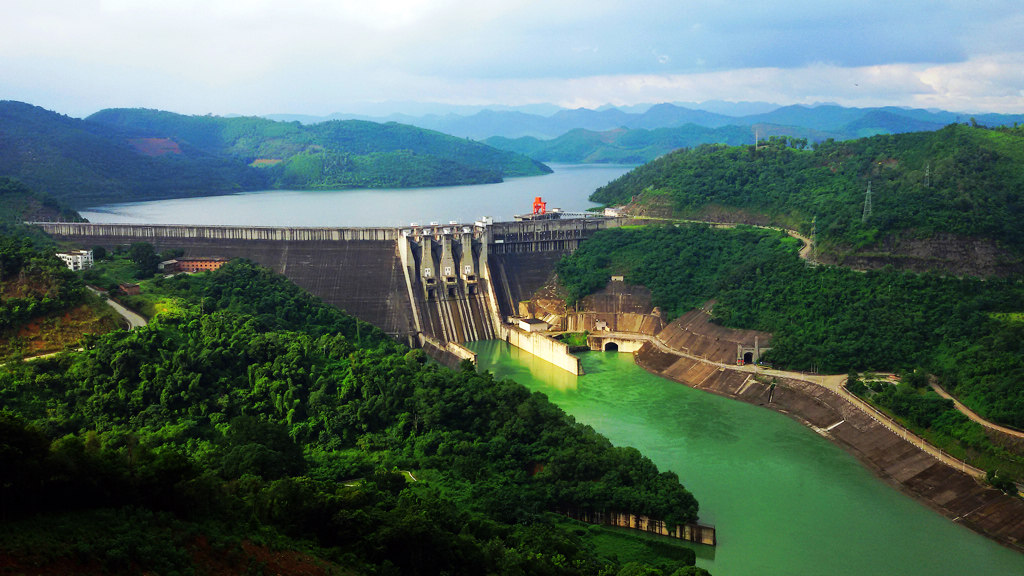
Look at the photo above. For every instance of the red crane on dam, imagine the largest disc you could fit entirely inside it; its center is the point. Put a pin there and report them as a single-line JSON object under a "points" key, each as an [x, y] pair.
{"points": [[540, 207]]}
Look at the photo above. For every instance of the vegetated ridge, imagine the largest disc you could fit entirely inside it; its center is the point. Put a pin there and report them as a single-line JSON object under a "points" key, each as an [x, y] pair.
{"points": [[332, 154], [249, 410], [949, 200], [19, 203], [135, 155]]}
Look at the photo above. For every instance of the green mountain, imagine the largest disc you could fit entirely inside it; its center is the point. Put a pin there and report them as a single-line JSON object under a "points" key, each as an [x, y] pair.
{"points": [[84, 163], [638, 145], [135, 155], [19, 203], [336, 154], [948, 200], [620, 146]]}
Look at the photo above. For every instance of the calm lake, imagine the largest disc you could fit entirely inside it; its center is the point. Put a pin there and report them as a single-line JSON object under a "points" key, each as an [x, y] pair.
{"points": [[785, 500], [567, 188]]}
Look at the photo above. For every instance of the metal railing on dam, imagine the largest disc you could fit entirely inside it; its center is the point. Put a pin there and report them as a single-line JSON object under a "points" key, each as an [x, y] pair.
{"points": [[503, 237], [206, 232]]}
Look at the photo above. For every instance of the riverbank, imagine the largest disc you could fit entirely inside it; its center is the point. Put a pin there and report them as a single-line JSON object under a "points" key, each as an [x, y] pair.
{"points": [[954, 493]]}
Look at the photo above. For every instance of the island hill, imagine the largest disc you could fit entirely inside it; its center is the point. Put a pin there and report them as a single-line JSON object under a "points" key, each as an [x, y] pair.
{"points": [[125, 155]]}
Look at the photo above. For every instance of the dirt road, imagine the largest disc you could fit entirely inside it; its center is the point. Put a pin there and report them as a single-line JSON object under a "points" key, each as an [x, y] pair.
{"points": [[974, 416]]}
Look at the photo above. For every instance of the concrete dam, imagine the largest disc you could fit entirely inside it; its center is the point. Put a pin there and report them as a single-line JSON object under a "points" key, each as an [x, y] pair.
{"points": [[433, 286]]}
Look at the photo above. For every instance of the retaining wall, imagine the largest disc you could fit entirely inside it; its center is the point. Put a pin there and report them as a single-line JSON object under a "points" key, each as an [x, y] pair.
{"points": [[543, 347], [697, 533]]}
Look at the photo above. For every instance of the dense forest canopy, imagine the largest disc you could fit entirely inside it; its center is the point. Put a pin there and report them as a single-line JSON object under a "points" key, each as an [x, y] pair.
{"points": [[19, 203], [831, 319], [254, 407], [84, 163], [134, 155], [961, 180]]}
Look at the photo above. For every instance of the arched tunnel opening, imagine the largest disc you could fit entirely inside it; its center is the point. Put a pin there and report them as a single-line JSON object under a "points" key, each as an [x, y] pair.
{"points": [[748, 357], [611, 347]]}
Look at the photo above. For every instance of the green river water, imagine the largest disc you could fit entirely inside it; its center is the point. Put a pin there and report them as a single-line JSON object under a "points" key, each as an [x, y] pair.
{"points": [[785, 500]]}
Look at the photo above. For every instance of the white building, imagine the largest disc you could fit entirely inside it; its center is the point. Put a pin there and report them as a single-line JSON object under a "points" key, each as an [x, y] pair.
{"points": [[77, 259]]}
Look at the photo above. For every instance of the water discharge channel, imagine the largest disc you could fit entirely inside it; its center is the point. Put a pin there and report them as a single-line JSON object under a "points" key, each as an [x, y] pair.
{"points": [[784, 499]]}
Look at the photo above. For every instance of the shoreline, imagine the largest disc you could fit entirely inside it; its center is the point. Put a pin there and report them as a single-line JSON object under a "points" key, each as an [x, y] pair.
{"points": [[952, 492]]}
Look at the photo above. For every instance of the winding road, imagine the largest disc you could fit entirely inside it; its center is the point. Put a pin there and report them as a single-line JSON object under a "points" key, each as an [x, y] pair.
{"points": [[134, 320], [973, 415]]}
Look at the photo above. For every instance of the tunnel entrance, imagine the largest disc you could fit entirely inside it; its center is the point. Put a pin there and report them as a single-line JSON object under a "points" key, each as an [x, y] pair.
{"points": [[748, 357], [611, 347]]}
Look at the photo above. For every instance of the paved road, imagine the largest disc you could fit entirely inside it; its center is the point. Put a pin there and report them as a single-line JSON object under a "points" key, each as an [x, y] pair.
{"points": [[805, 251], [134, 320], [974, 416]]}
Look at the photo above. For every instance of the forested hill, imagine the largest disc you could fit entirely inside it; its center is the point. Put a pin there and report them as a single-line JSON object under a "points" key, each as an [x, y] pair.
{"points": [[19, 203], [932, 193], [331, 154], [84, 163], [134, 155], [249, 410], [622, 145]]}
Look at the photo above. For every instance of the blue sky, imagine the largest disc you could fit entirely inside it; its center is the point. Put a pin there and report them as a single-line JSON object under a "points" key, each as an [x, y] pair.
{"points": [[323, 56]]}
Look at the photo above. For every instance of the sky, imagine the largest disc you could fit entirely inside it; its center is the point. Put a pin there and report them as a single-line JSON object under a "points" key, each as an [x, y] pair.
{"points": [[319, 57]]}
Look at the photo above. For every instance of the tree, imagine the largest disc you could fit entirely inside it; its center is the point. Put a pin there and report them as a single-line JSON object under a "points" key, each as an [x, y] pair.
{"points": [[144, 258]]}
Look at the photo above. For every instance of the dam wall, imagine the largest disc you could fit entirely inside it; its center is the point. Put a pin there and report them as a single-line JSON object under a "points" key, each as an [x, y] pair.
{"points": [[355, 269]]}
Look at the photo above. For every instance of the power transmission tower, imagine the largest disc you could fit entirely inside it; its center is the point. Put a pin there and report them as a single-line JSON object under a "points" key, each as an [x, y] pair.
{"points": [[928, 175], [867, 204]]}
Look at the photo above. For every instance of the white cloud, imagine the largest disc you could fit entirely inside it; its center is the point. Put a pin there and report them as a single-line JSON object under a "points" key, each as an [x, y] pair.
{"points": [[314, 56]]}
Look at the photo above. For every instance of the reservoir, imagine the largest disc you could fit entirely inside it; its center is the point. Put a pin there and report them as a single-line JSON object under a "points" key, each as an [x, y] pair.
{"points": [[567, 188], [784, 499]]}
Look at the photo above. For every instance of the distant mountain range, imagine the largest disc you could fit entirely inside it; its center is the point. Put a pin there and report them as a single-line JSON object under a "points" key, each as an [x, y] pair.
{"points": [[610, 134], [132, 155], [827, 118]]}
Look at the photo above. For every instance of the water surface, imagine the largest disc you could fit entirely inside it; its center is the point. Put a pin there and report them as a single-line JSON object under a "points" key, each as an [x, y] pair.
{"points": [[567, 188], [784, 500]]}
